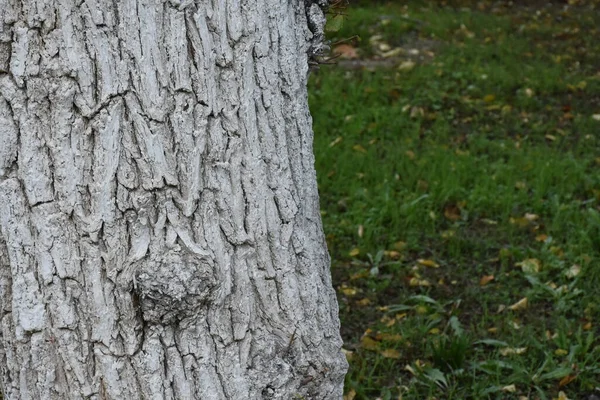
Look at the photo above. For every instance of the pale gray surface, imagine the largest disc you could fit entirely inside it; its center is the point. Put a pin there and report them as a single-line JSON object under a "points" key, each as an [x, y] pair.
{"points": [[160, 235]]}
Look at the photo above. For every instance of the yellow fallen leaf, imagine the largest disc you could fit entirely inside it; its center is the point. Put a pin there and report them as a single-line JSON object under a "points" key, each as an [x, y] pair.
{"points": [[542, 237], [391, 353], [348, 291], [488, 98], [394, 255], [354, 252], [359, 148], [561, 396], [530, 265], [587, 326], [561, 352], [508, 351], [363, 302], [434, 331], [485, 280], [369, 343], [389, 337], [418, 282], [509, 389], [428, 263], [519, 305], [350, 395]]}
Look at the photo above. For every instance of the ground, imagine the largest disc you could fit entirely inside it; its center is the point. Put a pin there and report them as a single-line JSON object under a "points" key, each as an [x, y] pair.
{"points": [[458, 150]]}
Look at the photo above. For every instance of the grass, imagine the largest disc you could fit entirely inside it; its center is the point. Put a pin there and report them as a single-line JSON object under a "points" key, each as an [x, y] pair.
{"points": [[454, 188]]}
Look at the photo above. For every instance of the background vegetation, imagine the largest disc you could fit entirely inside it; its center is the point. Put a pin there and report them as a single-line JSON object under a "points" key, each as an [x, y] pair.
{"points": [[458, 148]]}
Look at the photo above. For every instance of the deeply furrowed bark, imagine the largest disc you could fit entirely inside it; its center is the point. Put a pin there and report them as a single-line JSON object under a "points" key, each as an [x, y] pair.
{"points": [[160, 235]]}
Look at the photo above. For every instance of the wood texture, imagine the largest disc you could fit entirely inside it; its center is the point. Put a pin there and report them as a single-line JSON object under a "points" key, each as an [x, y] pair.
{"points": [[160, 235]]}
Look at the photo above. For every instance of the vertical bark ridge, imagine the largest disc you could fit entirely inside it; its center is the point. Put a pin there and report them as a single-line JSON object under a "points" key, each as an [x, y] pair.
{"points": [[160, 234]]}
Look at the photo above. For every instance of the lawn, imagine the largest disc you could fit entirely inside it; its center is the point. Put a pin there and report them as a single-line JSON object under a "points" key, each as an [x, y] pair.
{"points": [[458, 153]]}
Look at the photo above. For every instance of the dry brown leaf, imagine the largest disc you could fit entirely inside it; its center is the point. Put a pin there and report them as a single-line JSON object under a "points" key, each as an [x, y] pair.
{"points": [[566, 380], [345, 51], [485, 280], [452, 212]]}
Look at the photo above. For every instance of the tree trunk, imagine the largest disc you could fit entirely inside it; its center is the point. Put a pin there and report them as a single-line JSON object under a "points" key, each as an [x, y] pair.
{"points": [[160, 235]]}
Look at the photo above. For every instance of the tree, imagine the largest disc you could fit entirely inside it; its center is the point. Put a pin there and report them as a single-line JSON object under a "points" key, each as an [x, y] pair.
{"points": [[160, 235]]}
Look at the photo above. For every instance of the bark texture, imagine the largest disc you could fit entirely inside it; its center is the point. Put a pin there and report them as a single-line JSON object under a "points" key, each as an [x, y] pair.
{"points": [[160, 235]]}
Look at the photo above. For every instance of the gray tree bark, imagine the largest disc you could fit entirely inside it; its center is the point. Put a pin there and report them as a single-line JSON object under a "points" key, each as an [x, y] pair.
{"points": [[160, 235]]}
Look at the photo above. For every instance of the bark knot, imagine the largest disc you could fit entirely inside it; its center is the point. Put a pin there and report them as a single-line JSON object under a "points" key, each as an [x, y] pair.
{"points": [[173, 286]]}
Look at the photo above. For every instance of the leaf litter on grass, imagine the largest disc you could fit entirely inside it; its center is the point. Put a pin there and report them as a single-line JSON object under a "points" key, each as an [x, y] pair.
{"points": [[501, 117]]}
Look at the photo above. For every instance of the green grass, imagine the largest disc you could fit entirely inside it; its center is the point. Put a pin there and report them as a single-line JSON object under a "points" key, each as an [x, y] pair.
{"points": [[481, 157]]}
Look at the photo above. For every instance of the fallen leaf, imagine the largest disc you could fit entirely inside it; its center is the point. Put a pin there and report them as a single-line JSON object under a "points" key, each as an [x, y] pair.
{"points": [[419, 282], [587, 326], [336, 141], [530, 265], [566, 380], [350, 395], [369, 343], [358, 147], [509, 389], [488, 98], [394, 255], [561, 352], [348, 291], [354, 252], [345, 51], [391, 353], [406, 65], [573, 271], [596, 117], [508, 351], [389, 337], [529, 92], [561, 396], [361, 231], [519, 305], [363, 302], [428, 263], [452, 212], [542, 237], [485, 280]]}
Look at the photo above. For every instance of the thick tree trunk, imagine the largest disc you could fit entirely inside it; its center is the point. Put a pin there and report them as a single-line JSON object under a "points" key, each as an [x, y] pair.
{"points": [[160, 235]]}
